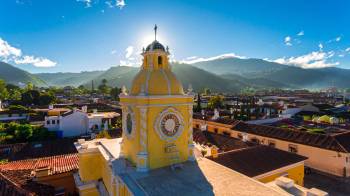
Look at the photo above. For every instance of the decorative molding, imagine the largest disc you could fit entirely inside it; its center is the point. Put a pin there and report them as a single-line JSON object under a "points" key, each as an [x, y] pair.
{"points": [[157, 124], [190, 126], [142, 157], [126, 111], [155, 96], [143, 128]]}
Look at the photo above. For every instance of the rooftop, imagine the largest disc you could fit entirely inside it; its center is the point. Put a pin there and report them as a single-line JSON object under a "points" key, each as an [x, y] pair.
{"points": [[337, 142], [250, 162], [223, 142], [19, 182], [55, 164], [203, 177], [20, 151]]}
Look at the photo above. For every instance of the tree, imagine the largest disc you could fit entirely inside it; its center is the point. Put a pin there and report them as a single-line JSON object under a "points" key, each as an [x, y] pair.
{"points": [[31, 97], [3, 91], [29, 86], [207, 91], [46, 99], [216, 102], [104, 88], [115, 93], [199, 106]]}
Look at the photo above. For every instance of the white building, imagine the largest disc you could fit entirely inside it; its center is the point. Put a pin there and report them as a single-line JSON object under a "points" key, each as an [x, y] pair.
{"points": [[79, 122]]}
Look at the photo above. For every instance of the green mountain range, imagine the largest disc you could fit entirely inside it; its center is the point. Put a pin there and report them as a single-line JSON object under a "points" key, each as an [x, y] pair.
{"points": [[18, 76], [220, 75], [261, 72]]}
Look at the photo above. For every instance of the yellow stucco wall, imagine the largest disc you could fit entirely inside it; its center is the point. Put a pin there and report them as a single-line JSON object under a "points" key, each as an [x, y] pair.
{"points": [[89, 192], [156, 146], [93, 166], [296, 173], [89, 166]]}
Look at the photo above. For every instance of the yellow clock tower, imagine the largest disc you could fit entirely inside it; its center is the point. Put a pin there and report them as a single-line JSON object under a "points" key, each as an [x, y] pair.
{"points": [[157, 114]]}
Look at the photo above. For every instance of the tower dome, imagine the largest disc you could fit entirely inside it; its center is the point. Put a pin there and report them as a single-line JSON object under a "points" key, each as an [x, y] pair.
{"points": [[155, 76], [155, 45]]}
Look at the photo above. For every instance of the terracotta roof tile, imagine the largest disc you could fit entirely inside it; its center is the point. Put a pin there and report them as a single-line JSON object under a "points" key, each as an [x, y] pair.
{"points": [[57, 164], [257, 160], [19, 182], [338, 142]]}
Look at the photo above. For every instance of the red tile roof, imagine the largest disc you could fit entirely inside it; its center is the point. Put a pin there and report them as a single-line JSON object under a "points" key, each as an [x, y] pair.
{"points": [[223, 142], [57, 164], [19, 182], [338, 142], [257, 160]]}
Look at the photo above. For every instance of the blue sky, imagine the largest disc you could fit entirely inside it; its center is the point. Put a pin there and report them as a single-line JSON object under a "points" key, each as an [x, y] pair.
{"points": [[78, 35]]}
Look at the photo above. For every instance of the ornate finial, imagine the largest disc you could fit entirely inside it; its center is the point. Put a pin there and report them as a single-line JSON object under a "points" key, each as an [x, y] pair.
{"points": [[167, 49], [124, 91], [190, 90], [143, 50], [155, 32]]}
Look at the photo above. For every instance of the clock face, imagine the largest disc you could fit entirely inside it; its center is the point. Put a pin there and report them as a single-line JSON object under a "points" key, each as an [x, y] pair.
{"points": [[129, 123], [170, 124]]}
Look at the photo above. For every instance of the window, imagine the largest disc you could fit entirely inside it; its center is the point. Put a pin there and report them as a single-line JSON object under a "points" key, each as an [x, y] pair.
{"points": [[216, 130], [53, 122], [58, 121], [293, 148], [255, 140], [226, 133], [271, 144], [160, 60], [48, 122], [197, 126]]}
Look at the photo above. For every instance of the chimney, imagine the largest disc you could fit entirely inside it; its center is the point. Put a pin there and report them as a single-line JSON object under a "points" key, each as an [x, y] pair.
{"points": [[84, 109], [214, 152], [284, 182]]}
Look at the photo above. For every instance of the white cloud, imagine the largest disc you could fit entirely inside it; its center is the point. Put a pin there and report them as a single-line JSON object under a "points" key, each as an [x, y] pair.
{"points": [[120, 3], [7, 51], [116, 3], [320, 45], [194, 59], [10, 53], [301, 33], [317, 59], [129, 51], [132, 57], [36, 61], [287, 41], [86, 2], [114, 52], [110, 3], [347, 50], [337, 39]]}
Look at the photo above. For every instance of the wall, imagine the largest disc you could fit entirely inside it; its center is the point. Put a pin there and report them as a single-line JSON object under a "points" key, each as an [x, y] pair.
{"points": [[87, 166], [154, 144], [65, 180], [74, 124], [296, 173]]}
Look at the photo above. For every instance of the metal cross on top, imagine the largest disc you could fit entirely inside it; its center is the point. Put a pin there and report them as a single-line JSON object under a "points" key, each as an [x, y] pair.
{"points": [[155, 32]]}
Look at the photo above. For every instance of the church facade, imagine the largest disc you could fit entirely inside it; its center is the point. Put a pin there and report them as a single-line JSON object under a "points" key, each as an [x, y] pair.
{"points": [[157, 114]]}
